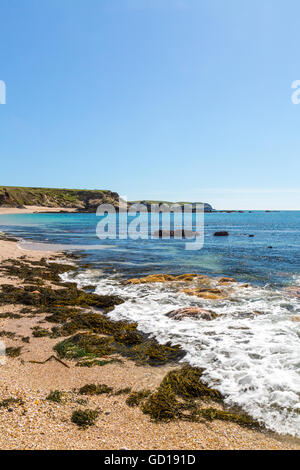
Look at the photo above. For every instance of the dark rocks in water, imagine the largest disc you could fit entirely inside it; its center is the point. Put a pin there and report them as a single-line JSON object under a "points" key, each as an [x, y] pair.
{"points": [[251, 236], [175, 233], [221, 234], [270, 247], [191, 312]]}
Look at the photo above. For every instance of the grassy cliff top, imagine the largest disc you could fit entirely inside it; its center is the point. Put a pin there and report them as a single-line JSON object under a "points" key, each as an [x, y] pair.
{"points": [[14, 196]]}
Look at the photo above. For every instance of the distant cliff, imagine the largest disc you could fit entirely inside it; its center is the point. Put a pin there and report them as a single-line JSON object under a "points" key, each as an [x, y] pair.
{"points": [[148, 203], [82, 200]]}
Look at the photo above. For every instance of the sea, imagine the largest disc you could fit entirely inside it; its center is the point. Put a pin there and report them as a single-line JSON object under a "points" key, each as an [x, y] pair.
{"points": [[251, 351]]}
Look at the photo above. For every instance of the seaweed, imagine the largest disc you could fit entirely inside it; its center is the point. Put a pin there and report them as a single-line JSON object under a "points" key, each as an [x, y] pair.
{"points": [[12, 316], [7, 402], [84, 418], [13, 352], [176, 398], [84, 345], [97, 362], [162, 405], [40, 332], [8, 334], [135, 398], [186, 382], [151, 352], [55, 396], [45, 298], [34, 271], [242, 419], [95, 389]]}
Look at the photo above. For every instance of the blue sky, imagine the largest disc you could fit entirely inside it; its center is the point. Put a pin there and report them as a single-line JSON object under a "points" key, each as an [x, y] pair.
{"points": [[154, 99]]}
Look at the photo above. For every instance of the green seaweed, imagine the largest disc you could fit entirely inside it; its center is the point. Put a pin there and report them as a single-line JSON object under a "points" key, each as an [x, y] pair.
{"points": [[95, 389], [186, 382], [242, 419], [97, 362], [162, 405], [151, 352], [84, 418], [84, 345], [13, 352], [40, 332], [55, 396], [8, 402], [135, 398]]}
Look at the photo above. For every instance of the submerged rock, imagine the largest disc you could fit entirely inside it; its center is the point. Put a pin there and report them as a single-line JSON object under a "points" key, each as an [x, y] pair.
{"points": [[184, 312]]}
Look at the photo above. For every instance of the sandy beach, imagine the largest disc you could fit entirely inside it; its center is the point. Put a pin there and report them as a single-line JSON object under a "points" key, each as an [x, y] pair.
{"points": [[37, 423], [33, 210]]}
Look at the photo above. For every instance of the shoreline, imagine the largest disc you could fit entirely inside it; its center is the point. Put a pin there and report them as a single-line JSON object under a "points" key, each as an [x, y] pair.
{"points": [[35, 210], [40, 421]]}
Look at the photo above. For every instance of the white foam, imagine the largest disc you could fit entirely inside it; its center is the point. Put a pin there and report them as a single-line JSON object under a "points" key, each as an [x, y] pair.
{"points": [[253, 359]]}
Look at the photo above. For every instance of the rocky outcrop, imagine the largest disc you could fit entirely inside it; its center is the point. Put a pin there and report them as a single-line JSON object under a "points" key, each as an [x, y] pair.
{"points": [[192, 312]]}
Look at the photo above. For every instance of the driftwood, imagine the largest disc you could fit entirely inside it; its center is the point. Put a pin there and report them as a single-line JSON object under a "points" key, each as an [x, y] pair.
{"points": [[49, 359]]}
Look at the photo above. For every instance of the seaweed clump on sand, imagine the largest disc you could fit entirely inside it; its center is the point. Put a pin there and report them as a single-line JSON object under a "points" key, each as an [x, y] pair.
{"points": [[84, 418], [88, 345], [48, 300], [97, 323], [55, 395], [13, 352], [8, 402], [35, 271], [135, 398], [84, 345], [151, 352], [180, 395], [39, 332], [242, 419], [95, 389], [186, 383]]}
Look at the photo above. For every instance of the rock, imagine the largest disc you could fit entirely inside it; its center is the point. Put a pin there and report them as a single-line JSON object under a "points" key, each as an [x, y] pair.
{"points": [[192, 312], [221, 234], [251, 236], [175, 233], [224, 280], [167, 278], [296, 318], [209, 294]]}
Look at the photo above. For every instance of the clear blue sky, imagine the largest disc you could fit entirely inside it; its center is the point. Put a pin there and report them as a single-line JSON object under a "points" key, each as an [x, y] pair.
{"points": [[154, 99]]}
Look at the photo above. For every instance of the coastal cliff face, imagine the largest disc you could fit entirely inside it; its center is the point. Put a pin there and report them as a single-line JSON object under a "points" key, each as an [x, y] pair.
{"points": [[83, 200]]}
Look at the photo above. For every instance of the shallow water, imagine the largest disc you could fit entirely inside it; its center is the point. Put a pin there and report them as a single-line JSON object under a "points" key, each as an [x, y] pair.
{"points": [[252, 358]]}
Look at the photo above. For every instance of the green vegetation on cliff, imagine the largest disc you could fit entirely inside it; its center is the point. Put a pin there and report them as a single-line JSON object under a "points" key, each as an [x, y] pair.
{"points": [[13, 196]]}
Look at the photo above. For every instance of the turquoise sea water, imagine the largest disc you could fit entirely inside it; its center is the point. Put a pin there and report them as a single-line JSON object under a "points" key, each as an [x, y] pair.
{"points": [[251, 352], [247, 259]]}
